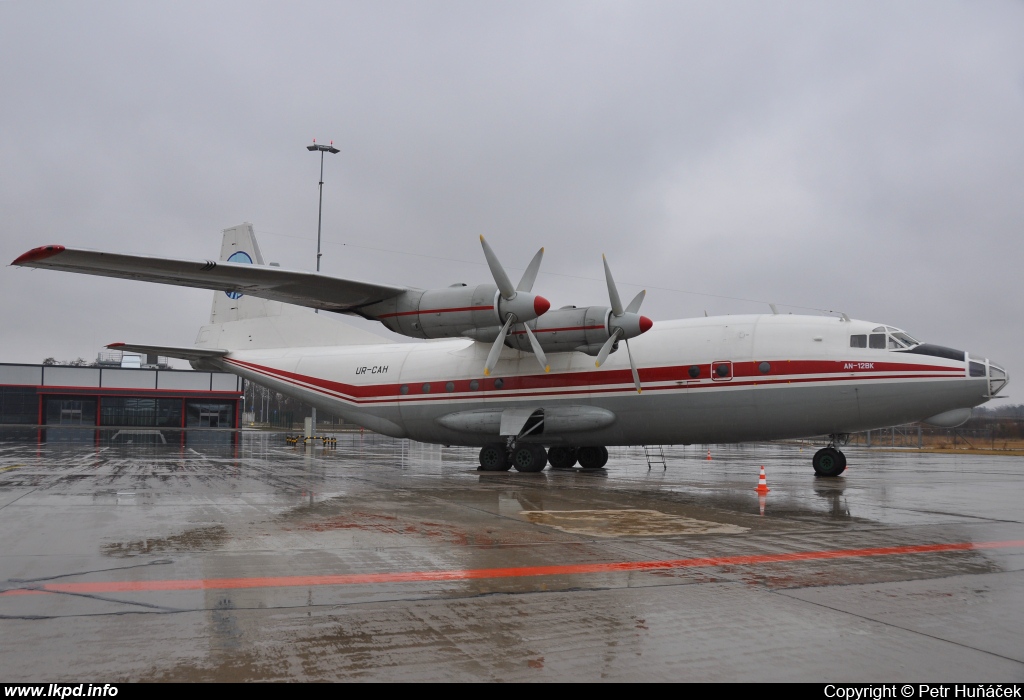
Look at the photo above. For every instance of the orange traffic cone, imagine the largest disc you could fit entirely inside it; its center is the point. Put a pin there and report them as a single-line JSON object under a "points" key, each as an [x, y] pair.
{"points": [[709, 454], [762, 483]]}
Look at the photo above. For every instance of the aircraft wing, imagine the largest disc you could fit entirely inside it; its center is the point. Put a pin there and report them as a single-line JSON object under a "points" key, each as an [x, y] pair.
{"points": [[312, 289], [189, 353]]}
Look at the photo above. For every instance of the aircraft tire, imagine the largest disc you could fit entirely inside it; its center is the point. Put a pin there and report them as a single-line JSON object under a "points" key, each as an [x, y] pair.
{"points": [[562, 457], [529, 458], [593, 457], [828, 462], [494, 458]]}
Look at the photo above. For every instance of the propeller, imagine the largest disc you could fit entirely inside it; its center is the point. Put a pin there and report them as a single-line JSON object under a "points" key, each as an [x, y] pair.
{"points": [[492, 356], [515, 304], [537, 350], [624, 323]]}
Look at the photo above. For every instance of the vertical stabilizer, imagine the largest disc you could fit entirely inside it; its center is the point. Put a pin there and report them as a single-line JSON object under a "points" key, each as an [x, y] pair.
{"points": [[240, 246], [240, 321]]}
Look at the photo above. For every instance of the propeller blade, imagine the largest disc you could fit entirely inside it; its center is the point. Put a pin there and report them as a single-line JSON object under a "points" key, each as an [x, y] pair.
{"points": [[634, 306], [632, 366], [492, 356], [498, 272], [613, 293], [537, 350], [607, 347], [530, 276]]}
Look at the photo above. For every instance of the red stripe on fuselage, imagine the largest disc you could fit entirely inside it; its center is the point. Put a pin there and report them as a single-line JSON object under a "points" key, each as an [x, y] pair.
{"points": [[594, 382]]}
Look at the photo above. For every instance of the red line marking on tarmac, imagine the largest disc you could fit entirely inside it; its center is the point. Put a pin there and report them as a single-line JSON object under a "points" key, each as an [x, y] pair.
{"points": [[512, 572]]}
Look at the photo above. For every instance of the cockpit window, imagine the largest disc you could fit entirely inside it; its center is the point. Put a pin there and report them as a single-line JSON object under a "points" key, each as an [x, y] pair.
{"points": [[877, 341], [859, 341], [905, 339], [895, 344]]}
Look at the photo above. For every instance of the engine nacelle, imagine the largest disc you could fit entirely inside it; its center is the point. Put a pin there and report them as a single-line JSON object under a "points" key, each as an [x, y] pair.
{"points": [[574, 329], [457, 311], [569, 329]]}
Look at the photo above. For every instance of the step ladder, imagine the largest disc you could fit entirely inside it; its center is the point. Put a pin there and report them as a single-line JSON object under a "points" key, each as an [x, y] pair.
{"points": [[655, 455]]}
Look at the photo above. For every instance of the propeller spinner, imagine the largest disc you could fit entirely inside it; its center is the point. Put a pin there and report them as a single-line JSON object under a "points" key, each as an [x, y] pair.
{"points": [[623, 323]]}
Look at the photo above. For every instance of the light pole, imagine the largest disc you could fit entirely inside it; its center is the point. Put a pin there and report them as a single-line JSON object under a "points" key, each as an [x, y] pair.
{"points": [[319, 217], [320, 210]]}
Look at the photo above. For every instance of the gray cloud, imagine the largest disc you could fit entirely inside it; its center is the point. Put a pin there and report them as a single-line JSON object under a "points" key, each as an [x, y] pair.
{"points": [[863, 157]]}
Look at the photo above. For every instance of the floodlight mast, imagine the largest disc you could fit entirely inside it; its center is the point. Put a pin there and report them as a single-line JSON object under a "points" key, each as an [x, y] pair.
{"points": [[319, 219], [320, 210]]}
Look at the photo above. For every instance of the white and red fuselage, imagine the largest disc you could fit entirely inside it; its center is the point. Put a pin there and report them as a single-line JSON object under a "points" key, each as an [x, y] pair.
{"points": [[706, 380]]}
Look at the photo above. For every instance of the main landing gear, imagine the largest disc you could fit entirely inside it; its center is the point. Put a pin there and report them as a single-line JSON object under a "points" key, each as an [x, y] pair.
{"points": [[527, 457], [829, 461]]}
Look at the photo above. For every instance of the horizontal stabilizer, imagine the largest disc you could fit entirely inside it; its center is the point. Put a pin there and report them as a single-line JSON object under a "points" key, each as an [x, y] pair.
{"points": [[190, 353], [311, 289]]}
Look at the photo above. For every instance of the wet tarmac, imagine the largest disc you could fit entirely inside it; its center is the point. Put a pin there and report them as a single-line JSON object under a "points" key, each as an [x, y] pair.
{"points": [[209, 558]]}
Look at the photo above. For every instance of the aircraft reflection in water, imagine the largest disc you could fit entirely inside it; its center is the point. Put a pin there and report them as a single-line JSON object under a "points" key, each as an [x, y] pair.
{"points": [[532, 385]]}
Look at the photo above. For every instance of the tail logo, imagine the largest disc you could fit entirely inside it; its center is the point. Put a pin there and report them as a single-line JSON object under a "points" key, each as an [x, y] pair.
{"points": [[238, 257]]}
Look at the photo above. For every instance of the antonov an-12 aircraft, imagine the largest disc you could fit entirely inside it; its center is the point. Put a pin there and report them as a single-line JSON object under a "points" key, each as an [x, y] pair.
{"points": [[530, 385]]}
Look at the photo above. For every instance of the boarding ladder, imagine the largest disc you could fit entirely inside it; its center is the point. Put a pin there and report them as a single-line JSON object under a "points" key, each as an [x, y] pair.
{"points": [[655, 454]]}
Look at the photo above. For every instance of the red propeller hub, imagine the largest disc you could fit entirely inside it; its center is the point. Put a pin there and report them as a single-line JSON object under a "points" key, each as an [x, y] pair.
{"points": [[540, 305], [645, 324]]}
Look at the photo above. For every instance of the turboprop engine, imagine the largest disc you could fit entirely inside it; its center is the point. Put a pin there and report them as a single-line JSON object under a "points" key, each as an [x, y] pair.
{"points": [[483, 312], [594, 330]]}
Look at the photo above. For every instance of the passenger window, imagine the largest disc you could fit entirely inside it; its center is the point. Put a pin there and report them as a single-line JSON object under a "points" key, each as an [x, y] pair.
{"points": [[878, 341], [858, 341]]}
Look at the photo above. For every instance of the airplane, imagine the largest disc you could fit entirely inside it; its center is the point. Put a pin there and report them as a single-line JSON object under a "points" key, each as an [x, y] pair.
{"points": [[498, 369]]}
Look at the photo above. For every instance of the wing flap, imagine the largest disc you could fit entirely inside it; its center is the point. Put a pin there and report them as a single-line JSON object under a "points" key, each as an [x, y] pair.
{"points": [[312, 289]]}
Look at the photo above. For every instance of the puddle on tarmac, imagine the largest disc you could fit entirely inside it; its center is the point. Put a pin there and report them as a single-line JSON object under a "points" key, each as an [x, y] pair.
{"points": [[196, 540], [626, 523]]}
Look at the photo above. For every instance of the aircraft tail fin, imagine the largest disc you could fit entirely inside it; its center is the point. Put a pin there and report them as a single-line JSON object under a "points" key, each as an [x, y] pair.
{"points": [[241, 321], [239, 246]]}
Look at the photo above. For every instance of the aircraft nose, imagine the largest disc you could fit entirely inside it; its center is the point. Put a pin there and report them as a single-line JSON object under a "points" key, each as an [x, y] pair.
{"points": [[997, 378]]}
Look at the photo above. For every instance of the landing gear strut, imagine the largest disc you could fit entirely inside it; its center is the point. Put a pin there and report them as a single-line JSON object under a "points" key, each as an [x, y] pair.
{"points": [[829, 461]]}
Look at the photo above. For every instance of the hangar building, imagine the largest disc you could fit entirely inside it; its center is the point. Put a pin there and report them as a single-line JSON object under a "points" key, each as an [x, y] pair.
{"points": [[118, 397]]}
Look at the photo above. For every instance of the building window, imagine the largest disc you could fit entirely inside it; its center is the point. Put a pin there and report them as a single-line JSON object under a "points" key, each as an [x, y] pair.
{"points": [[70, 411], [209, 415], [143, 412], [18, 405]]}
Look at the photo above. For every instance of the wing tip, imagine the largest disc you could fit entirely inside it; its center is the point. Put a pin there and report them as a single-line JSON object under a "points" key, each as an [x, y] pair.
{"points": [[39, 253], [111, 346]]}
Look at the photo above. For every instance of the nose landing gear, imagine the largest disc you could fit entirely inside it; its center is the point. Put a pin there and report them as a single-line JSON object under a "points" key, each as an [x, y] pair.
{"points": [[829, 461]]}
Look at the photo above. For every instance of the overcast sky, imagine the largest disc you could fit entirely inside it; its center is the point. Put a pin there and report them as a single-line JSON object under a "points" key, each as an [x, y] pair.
{"points": [[865, 157]]}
